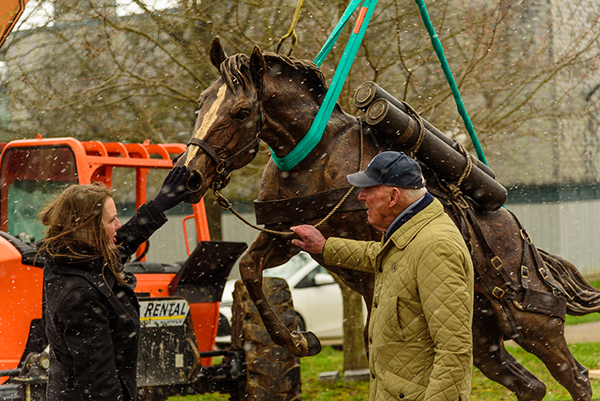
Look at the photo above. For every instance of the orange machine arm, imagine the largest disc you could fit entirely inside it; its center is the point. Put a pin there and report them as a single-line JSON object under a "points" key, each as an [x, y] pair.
{"points": [[10, 12]]}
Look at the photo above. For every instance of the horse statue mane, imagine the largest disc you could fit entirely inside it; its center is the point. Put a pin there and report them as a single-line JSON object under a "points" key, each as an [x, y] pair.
{"points": [[235, 71]]}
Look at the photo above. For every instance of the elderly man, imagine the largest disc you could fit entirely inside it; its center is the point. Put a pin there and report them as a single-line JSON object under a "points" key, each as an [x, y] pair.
{"points": [[420, 340]]}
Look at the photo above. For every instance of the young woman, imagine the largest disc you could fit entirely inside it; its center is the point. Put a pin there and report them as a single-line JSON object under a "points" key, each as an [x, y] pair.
{"points": [[91, 311]]}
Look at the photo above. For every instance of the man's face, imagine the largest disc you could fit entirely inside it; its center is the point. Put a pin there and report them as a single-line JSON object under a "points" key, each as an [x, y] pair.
{"points": [[377, 199]]}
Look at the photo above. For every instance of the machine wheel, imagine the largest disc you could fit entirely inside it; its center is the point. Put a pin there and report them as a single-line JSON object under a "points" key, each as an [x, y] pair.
{"points": [[273, 373], [151, 394]]}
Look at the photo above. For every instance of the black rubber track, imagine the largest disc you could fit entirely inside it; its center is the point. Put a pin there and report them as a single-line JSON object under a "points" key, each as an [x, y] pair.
{"points": [[273, 373]]}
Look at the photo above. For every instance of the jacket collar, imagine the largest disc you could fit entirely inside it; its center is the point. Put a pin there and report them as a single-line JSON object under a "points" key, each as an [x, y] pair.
{"points": [[409, 229], [89, 265], [408, 214]]}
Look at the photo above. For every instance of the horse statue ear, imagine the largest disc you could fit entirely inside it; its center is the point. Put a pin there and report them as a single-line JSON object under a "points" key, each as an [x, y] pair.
{"points": [[217, 54], [257, 64]]}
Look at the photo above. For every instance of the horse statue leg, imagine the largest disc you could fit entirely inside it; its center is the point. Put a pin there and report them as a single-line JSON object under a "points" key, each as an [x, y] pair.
{"points": [[492, 359], [544, 337], [265, 252], [533, 320]]}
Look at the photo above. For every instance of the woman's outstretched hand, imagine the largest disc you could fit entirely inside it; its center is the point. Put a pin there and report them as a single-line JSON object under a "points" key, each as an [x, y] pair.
{"points": [[173, 190]]}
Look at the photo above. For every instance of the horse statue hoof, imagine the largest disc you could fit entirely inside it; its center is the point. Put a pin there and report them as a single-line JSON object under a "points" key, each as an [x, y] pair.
{"points": [[314, 345], [306, 343]]}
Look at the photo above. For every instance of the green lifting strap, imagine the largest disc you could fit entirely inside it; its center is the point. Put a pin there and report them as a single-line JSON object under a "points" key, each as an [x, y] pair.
{"points": [[314, 135], [437, 46]]}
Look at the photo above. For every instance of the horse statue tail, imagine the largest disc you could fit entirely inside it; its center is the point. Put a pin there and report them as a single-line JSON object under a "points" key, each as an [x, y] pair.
{"points": [[582, 298]]}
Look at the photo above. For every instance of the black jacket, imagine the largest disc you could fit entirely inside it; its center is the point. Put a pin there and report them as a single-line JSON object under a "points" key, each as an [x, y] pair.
{"points": [[92, 320]]}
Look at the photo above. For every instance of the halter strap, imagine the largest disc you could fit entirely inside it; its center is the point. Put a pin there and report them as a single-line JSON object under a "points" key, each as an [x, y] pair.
{"points": [[223, 164], [202, 144]]}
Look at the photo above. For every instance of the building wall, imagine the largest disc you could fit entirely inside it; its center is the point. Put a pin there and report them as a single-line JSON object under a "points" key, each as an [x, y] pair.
{"points": [[167, 244], [233, 229], [566, 229], [563, 220]]}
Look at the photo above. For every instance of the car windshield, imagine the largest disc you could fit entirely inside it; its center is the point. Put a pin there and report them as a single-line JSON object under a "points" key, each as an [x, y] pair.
{"points": [[286, 270]]}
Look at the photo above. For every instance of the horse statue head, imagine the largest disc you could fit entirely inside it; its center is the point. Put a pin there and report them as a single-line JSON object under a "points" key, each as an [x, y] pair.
{"points": [[253, 98]]}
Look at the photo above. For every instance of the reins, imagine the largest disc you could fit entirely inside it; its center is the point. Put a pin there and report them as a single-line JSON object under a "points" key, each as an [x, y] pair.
{"points": [[226, 205]]}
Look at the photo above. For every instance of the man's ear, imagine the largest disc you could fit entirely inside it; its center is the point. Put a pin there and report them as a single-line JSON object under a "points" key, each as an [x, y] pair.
{"points": [[395, 196]]}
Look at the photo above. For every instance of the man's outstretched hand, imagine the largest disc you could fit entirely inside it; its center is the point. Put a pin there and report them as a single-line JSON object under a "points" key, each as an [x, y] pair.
{"points": [[311, 240]]}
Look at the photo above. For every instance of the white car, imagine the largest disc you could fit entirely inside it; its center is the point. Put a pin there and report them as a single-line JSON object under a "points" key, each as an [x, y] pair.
{"points": [[317, 299]]}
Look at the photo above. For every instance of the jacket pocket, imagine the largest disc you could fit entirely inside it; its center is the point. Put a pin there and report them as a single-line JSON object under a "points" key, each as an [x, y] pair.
{"points": [[385, 322], [411, 319], [398, 388]]}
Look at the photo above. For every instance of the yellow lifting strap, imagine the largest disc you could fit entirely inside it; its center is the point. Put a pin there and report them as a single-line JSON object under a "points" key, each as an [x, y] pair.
{"points": [[292, 31]]}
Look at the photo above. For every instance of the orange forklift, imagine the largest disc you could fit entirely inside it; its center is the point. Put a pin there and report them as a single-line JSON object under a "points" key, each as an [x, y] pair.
{"points": [[179, 300]]}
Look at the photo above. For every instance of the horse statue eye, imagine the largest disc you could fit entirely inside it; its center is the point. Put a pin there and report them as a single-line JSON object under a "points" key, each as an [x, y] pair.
{"points": [[242, 114]]}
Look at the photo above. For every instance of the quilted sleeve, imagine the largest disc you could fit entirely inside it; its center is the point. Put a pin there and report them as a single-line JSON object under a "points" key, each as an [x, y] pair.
{"points": [[351, 254], [139, 228], [446, 288]]}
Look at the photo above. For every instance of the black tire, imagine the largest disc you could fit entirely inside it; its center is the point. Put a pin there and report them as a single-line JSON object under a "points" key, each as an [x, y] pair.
{"points": [[273, 373], [151, 394]]}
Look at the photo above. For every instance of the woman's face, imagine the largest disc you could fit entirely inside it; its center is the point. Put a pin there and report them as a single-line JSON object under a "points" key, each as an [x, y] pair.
{"points": [[110, 220]]}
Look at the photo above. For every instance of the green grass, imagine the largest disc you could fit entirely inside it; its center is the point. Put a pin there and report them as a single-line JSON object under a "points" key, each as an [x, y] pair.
{"points": [[587, 354], [329, 360], [483, 389]]}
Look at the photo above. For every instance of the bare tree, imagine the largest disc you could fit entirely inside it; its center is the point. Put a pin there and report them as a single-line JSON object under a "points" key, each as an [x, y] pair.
{"points": [[529, 87]]}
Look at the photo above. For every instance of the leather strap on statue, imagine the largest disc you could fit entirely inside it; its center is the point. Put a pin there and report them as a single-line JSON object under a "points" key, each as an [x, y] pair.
{"points": [[504, 290], [582, 298], [510, 287], [223, 165], [551, 303], [538, 262], [305, 208]]}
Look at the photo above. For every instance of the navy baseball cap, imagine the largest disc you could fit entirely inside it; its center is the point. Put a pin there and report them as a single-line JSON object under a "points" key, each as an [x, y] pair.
{"points": [[394, 169]]}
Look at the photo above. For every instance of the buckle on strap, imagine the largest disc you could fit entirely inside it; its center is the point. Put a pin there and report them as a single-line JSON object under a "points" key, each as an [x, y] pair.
{"points": [[498, 292], [496, 262], [544, 273], [524, 271]]}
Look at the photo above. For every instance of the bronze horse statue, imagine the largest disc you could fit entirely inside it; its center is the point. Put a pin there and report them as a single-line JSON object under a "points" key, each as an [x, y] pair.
{"points": [[519, 292]]}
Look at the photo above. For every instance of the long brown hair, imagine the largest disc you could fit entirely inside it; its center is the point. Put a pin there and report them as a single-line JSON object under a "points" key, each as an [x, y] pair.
{"points": [[74, 219]]}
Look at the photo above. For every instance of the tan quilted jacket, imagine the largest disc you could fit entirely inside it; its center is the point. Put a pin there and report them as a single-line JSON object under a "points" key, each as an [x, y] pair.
{"points": [[420, 340]]}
